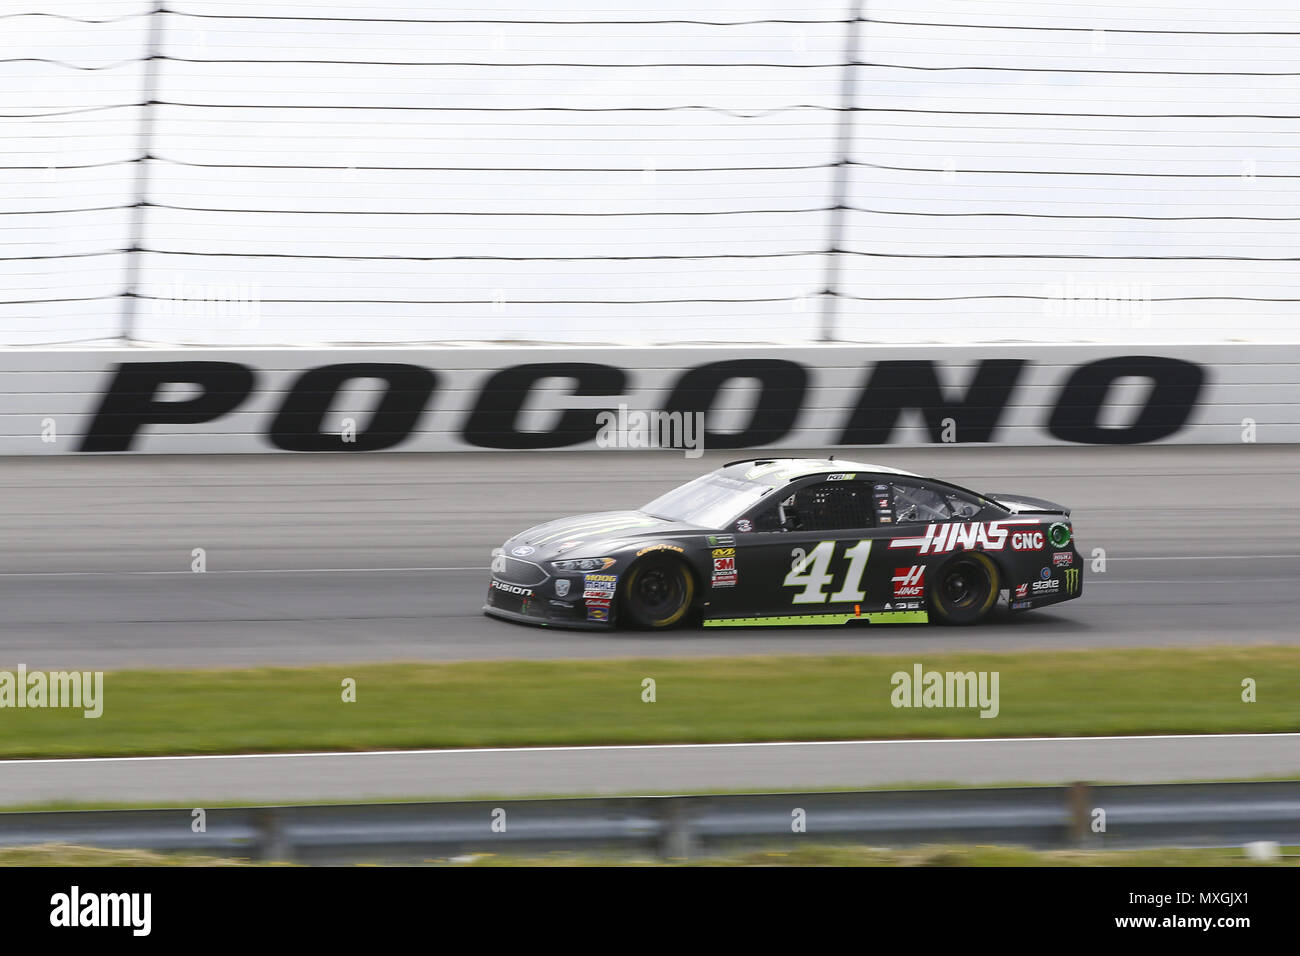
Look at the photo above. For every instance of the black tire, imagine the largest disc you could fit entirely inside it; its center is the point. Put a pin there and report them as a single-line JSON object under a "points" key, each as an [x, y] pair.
{"points": [[656, 593], [964, 588]]}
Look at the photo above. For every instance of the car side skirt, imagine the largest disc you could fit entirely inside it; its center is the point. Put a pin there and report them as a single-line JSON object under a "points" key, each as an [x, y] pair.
{"points": [[797, 620]]}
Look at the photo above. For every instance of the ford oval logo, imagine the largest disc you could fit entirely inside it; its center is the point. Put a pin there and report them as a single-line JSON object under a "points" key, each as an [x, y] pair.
{"points": [[522, 550]]}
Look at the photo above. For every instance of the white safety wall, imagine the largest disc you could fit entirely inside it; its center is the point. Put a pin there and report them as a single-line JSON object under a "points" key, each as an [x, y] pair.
{"points": [[236, 400]]}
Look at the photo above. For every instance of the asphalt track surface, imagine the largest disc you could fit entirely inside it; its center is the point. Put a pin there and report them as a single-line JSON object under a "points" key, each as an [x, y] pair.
{"points": [[346, 558], [549, 771]]}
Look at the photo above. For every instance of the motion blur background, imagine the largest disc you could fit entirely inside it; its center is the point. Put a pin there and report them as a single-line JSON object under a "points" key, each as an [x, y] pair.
{"points": [[1103, 193], [240, 173]]}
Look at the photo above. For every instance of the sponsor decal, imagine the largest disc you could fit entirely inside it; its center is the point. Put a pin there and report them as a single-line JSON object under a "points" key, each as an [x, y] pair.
{"points": [[744, 524], [909, 582], [1045, 573], [987, 535], [599, 585], [1021, 605], [561, 587], [1062, 559], [885, 519], [598, 594], [523, 551], [721, 539], [1022, 590], [1059, 534], [512, 588], [841, 477], [1027, 541], [724, 568], [660, 547], [1072, 581], [139, 397], [1047, 587]]}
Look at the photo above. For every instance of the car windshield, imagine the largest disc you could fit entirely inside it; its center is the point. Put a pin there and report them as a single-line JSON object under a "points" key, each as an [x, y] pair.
{"points": [[711, 501]]}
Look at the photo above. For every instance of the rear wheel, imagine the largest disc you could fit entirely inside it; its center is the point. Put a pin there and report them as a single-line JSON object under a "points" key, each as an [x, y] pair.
{"points": [[656, 593], [964, 589]]}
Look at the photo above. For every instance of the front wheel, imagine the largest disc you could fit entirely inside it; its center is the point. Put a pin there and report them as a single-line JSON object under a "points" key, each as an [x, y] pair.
{"points": [[657, 593], [964, 589]]}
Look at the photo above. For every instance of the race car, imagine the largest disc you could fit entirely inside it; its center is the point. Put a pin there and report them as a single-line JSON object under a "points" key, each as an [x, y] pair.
{"points": [[791, 541]]}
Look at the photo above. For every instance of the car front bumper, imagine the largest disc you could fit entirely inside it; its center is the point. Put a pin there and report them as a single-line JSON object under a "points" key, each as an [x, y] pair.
{"points": [[535, 602]]}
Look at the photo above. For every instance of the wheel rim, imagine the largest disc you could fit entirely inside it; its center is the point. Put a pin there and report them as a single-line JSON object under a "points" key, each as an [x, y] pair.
{"points": [[658, 591], [964, 584]]}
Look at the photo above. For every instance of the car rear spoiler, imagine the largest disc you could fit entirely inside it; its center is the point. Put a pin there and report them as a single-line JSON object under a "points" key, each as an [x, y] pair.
{"points": [[1024, 504]]}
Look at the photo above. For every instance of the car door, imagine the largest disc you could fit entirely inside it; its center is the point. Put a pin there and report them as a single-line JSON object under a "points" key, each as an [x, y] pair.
{"points": [[815, 550]]}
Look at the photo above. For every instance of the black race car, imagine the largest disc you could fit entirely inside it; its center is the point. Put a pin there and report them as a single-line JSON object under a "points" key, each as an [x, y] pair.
{"points": [[788, 541]]}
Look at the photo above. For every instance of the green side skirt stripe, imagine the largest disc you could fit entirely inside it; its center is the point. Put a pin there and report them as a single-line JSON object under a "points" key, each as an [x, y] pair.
{"points": [[790, 620]]}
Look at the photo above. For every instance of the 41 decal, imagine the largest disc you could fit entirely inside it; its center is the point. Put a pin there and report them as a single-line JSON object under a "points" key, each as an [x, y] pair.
{"points": [[811, 573]]}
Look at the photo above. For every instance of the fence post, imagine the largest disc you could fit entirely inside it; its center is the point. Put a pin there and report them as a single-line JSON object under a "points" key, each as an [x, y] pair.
{"points": [[843, 164], [152, 57]]}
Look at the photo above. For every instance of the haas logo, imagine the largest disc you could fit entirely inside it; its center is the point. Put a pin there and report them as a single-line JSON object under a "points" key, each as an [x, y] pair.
{"points": [[909, 582], [991, 536]]}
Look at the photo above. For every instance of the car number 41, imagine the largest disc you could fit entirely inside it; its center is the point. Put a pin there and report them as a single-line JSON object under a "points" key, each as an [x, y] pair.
{"points": [[811, 572]]}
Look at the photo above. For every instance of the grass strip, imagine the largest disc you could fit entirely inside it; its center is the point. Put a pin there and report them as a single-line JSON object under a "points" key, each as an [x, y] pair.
{"points": [[814, 855], [575, 702]]}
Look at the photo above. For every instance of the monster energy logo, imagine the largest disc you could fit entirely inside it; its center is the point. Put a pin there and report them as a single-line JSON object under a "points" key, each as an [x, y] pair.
{"points": [[1072, 581]]}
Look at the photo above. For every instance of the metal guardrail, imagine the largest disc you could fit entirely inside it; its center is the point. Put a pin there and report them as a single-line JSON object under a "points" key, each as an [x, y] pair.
{"points": [[1225, 814]]}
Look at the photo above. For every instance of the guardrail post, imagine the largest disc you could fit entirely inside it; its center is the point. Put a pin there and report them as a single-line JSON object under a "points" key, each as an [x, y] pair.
{"points": [[275, 843], [677, 840], [1078, 800]]}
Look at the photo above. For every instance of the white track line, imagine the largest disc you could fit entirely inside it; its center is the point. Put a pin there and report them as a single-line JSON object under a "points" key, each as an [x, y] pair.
{"points": [[634, 747]]}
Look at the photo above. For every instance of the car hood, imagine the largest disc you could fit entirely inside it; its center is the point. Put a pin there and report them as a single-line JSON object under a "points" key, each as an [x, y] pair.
{"points": [[584, 535]]}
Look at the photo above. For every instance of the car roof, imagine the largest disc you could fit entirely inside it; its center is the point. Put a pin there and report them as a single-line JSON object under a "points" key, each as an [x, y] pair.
{"points": [[772, 470]]}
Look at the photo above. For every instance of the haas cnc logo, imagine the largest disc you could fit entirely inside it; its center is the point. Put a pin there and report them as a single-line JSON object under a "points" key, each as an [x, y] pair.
{"points": [[988, 535], [909, 582]]}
